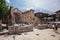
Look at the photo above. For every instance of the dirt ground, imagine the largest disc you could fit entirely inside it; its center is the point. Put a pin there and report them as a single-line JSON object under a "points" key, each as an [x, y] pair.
{"points": [[46, 34]]}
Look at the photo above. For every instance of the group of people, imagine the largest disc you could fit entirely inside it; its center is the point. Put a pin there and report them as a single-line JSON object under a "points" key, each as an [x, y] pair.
{"points": [[54, 26]]}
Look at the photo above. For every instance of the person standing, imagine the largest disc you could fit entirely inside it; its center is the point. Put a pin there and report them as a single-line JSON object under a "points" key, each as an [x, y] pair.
{"points": [[54, 27]]}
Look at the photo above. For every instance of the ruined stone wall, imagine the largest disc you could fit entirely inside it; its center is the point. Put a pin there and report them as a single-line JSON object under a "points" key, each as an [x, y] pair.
{"points": [[28, 17], [17, 17], [17, 14], [11, 16], [38, 21]]}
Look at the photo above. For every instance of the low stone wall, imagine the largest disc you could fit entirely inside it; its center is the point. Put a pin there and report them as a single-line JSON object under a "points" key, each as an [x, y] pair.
{"points": [[43, 26], [2, 26], [19, 29]]}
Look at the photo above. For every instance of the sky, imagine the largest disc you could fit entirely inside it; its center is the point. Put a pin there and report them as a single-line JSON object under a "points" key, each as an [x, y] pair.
{"points": [[38, 5]]}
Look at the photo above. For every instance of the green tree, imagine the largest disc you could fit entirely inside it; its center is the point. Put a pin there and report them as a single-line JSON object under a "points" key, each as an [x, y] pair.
{"points": [[3, 10]]}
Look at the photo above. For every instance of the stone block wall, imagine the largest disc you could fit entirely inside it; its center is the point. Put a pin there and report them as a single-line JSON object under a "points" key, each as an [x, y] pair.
{"points": [[19, 29]]}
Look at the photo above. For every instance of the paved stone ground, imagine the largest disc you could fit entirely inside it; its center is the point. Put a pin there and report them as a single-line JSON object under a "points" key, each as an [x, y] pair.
{"points": [[46, 34]]}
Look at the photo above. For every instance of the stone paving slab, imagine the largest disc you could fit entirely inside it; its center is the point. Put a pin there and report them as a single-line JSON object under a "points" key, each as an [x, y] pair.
{"points": [[45, 34]]}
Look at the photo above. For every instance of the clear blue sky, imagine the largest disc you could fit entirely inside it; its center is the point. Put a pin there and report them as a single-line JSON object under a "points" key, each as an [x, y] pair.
{"points": [[38, 5]]}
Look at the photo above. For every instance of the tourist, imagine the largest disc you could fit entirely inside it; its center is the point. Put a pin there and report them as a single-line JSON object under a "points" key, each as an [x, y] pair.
{"points": [[54, 28]]}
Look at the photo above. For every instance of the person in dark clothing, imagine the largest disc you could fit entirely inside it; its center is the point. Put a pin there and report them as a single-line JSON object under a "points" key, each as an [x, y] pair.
{"points": [[55, 28]]}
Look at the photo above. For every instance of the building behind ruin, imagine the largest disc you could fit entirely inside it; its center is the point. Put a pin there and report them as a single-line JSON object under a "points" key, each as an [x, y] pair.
{"points": [[55, 16], [42, 17]]}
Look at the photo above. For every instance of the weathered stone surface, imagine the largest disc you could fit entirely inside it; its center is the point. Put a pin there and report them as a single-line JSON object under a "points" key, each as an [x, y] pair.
{"points": [[42, 26], [27, 17], [19, 29]]}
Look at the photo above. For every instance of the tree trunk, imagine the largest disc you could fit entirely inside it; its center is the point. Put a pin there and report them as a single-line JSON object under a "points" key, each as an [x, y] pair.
{"points": [[0, 21], [0, 24]]}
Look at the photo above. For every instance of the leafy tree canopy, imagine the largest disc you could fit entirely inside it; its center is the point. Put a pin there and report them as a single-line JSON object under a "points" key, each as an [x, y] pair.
{"points": [[3, 9]]}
